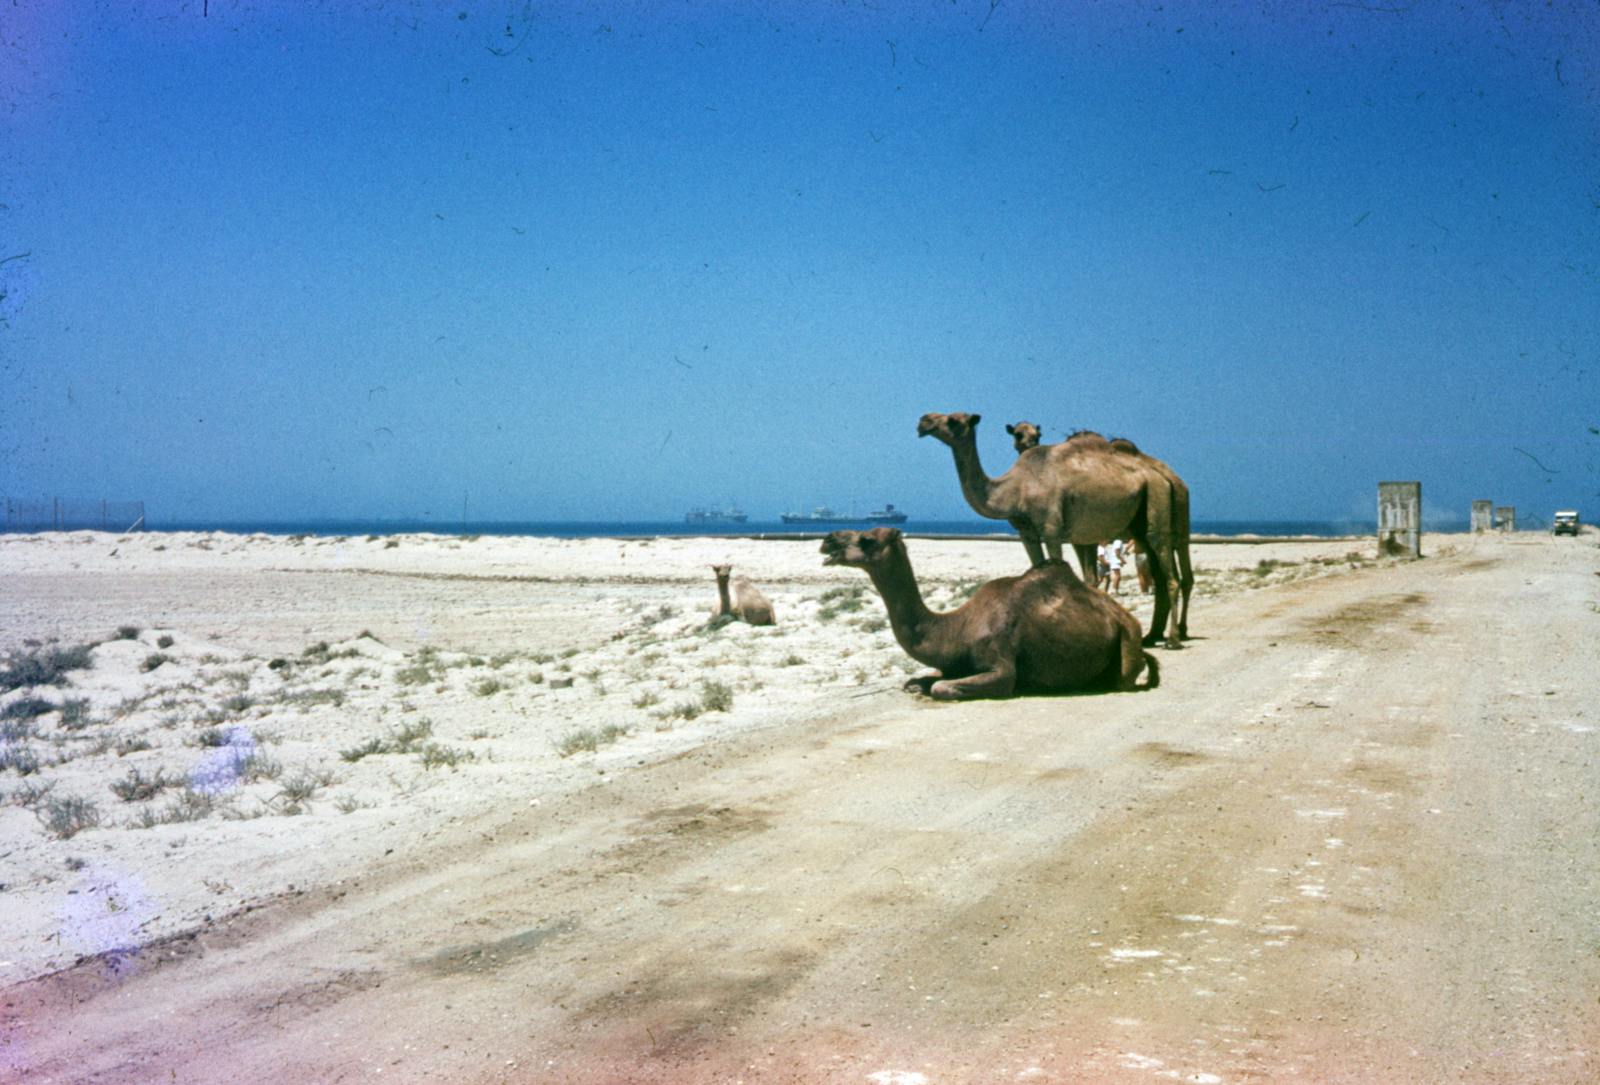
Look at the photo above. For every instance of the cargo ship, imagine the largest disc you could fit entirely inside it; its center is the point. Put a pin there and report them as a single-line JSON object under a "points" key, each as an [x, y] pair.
{"points": [[730, 515], [822, 514]]}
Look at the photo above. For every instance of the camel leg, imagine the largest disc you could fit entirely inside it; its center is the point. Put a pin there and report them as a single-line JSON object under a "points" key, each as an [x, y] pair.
{"points": [[1185, 586], [921, 683], [1035, 551], [1053, 548], [1001, 681], [1166, 580], [1087, 561]]}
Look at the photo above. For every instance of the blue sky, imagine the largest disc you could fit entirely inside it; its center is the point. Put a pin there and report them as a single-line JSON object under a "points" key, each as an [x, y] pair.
{"points": [[266, 259]]}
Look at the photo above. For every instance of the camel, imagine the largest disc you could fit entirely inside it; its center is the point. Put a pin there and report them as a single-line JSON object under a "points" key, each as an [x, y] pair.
{"points": [[1043, 631], [1082, 491], [1024, 435], [747, 605]]}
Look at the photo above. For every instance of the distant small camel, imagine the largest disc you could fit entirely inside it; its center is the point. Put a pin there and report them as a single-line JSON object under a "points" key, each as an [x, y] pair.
{"points": [[1043, 631], [747, 605]]}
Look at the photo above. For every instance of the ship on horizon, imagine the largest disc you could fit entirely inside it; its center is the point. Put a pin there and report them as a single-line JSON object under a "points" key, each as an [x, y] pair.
{"points": [[822, 514], [730, 515]]}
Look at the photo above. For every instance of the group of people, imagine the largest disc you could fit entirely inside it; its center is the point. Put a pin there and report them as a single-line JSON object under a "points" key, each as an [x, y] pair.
{"points": [[1110, 559]]}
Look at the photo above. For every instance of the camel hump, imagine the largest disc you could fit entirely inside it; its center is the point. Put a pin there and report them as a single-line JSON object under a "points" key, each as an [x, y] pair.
{"points": [[1122, 444]]}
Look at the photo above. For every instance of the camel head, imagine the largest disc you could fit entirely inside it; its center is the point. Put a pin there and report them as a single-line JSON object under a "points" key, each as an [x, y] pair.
{"points": [[860, 549], [1024, 435], [721, 571], [952, 429]]}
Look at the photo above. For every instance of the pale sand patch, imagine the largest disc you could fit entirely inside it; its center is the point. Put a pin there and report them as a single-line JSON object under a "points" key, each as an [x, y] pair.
{"points": [[271, 746]]}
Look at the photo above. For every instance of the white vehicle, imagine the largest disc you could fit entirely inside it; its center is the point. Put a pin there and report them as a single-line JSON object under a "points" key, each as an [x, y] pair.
{"points": [[1565, 522]]}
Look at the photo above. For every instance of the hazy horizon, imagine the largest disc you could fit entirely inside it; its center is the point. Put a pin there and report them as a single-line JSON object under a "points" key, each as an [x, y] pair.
{"points": [[264, 260]]}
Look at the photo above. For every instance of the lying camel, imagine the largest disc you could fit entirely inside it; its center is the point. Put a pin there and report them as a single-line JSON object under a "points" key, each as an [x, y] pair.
{"points": [[1043, 631], [1081, 491], [1025, 435], [747, 605]]}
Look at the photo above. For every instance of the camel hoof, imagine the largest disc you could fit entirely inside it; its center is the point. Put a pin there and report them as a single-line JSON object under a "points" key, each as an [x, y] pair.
{"points": [[919, 685], [944, 691], [1173, 644], [1150, 640]]}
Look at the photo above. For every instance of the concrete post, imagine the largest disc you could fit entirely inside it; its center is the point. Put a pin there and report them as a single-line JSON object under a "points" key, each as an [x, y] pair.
{"points": [[1400, 519], [1482, 517], [1506, 517]]}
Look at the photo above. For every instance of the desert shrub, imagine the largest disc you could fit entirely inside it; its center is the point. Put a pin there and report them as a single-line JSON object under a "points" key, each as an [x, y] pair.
{"points": [[407, 738], [589, 739], [306, 698], [417, 674], [164, 641], [131, 744], [366, 749], [581, 740], [19, 756], [239, 702], [154, 660], [137, 787], [717, 624], [44, 666], [128, 632], [715, 696], [298, 790], [435, 754], [684, 710], [17, 730], [67, 816], [791, 660], [75, 714], [488, 687], [872, 625], [837, 601], [30, 796], [647, 699]]}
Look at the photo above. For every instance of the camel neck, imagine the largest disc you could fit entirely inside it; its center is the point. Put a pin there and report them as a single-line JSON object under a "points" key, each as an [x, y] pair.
{"points": [[908, 614], [976, 487], [722, 596]]}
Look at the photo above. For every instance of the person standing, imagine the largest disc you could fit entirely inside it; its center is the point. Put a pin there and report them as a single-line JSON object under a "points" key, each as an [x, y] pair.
{"points": [[1109, 556]]}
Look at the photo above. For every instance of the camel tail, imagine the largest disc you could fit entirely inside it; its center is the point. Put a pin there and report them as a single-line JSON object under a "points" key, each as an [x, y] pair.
{"points": [[1155, 671]]}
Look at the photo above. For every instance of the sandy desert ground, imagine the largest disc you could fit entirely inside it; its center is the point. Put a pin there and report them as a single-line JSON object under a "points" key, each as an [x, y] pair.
{"points": [[443, 809]]}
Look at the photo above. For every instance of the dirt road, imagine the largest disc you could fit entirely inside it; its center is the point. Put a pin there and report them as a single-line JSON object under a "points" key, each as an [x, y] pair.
{"points": [[1352, 838]]}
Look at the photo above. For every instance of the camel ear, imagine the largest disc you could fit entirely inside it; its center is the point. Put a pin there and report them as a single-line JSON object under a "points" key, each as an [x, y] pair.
{"points": [[1011, 429], [882, 536], [974, 419]]}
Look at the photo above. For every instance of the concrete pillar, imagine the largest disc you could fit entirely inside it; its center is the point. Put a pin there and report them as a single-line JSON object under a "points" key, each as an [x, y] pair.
{"points": [[1400, 519], [1482, 517], [1505, 517]]}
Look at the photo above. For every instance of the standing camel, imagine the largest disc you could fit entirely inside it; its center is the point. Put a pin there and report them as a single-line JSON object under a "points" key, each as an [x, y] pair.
{"points": [[1041, 631], [1079, 492], [1025, 435]]}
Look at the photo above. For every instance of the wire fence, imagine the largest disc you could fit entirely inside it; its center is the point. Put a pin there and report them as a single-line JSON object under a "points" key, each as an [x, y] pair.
{"points": [[61, 514]]}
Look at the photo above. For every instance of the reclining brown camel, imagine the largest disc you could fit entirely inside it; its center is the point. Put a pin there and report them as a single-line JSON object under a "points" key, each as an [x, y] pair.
{"points": [[1025, 435], [747, 605], [1081, 491], [1043, 631]]}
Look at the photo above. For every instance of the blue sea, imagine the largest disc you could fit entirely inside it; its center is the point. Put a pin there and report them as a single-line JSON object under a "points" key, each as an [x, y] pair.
{"points": [[578, 529]]}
